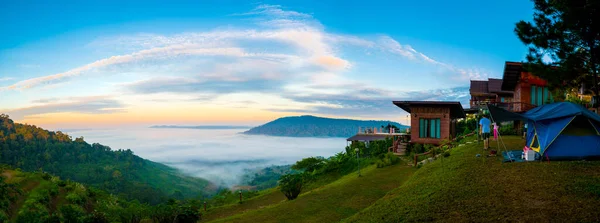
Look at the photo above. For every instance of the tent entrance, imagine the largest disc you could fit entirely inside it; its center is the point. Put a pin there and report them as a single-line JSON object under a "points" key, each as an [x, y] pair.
{"points": [[535, 144]]}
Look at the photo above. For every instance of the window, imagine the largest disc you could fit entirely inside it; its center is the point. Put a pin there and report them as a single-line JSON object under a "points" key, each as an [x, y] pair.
{"points": [[430, 128], [540, 95]]}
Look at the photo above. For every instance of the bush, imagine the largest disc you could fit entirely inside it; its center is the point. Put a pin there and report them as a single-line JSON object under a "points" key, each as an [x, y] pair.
{"points": [[446, 154], [388, 160], [96, 217], [309, 164], [71, 213], [291, 185], [46, 176], [416, 148], [53, 191], [74, 198], [507, 130]]}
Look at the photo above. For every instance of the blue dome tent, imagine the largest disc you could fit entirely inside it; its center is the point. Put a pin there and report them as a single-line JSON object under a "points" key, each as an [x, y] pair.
{"points": [[563, 131], [559, 131]]}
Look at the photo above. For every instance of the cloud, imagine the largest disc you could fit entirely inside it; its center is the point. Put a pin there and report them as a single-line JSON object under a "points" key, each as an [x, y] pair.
{"points": [[274, 11], [332, 62], [368, 102], [161, 52], [188, 85], [407, 51], [45, 100], [86, 105], [6, 78]]}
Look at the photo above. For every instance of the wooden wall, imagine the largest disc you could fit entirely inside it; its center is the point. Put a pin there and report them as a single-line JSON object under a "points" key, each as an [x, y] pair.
{"points": [[418, 112]]}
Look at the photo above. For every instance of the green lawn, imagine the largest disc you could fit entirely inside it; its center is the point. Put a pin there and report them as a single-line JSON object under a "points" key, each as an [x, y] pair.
{"points": [[332, 202], [464, 188]]}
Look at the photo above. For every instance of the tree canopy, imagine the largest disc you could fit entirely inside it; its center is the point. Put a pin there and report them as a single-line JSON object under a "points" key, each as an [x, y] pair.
{"points": [[564, 42]]}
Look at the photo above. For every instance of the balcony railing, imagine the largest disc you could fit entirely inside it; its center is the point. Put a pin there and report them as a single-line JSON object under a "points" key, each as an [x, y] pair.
{"points": [[509, 106]]}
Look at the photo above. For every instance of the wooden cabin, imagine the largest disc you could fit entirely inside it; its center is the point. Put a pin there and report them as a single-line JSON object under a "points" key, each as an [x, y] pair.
{"points": [[432, 121], [489, 92], [529, 90]]}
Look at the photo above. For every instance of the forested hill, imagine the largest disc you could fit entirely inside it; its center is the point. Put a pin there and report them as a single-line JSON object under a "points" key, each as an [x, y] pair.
{"points": [[118, 171], [312, 126]]}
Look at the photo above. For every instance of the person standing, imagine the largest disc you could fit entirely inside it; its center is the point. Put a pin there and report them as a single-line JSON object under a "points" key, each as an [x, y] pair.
{"points": [[495, 131], [485, 127]]}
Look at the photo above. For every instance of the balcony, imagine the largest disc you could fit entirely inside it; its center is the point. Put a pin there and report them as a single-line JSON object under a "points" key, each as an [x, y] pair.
{"points": [[509, 106]]}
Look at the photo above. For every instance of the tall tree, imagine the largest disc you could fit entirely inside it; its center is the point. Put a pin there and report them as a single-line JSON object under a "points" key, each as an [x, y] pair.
{"points": [[568, 33]]}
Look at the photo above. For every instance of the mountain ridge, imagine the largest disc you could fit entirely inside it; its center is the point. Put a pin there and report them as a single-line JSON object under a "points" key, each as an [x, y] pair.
{"points": [[314, 126]]}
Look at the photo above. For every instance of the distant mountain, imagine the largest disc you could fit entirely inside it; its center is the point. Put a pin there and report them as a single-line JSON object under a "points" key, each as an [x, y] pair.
{"points": [[312, 126], [200, 127]]}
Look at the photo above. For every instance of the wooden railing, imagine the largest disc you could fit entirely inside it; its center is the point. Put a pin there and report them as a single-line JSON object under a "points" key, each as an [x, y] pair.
{"points": [[509, 106]]}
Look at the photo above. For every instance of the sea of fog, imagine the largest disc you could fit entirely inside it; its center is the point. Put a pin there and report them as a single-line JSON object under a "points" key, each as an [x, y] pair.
{"points": [[220, 156]]}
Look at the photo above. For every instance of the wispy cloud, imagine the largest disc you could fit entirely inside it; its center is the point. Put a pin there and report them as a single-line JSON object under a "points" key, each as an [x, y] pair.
{"points": [[6, 78], [407, 51], [86, 105], [162, 52], [275, 11], [378, 103], [185, 85]]}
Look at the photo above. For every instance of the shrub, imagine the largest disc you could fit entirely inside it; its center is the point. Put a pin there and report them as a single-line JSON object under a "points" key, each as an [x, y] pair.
{"points": [[53, 191], [309, 164], [46, 176], [75, 198], [96, 217], [446, 154], [291, 185], [388, 160], [61, 183], [71, 213], [417, 148], [507, 130]]}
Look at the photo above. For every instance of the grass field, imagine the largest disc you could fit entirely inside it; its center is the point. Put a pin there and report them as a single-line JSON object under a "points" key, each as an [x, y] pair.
{"points": [[464, 188], [329, 203]]}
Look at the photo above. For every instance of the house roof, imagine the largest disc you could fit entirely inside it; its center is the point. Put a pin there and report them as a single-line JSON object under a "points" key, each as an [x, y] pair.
{"points": [[491, 86], [480, 87], [494, 85], [456, 109], [512, 74]]}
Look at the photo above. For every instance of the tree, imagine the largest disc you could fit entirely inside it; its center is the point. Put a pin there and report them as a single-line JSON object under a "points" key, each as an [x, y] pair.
{"points": [[291, 185], [389, 126], [567, 32], [7, 196], [309, 164], [71, 213]]}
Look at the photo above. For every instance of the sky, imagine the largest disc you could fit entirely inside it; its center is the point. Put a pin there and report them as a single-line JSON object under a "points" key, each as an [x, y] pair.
{"points": [[109, 63]]}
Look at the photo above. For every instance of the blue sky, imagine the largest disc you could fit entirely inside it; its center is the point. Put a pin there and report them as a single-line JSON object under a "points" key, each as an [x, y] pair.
{"points": [[74, 63]]}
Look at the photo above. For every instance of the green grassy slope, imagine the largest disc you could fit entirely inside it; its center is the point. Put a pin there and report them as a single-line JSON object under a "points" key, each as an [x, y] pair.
{"points": [[329, 203], [41, 197], [463, 187]]}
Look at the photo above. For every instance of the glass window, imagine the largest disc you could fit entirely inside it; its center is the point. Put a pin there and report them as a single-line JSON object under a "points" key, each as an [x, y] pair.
{"points": [[430, 128]]}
